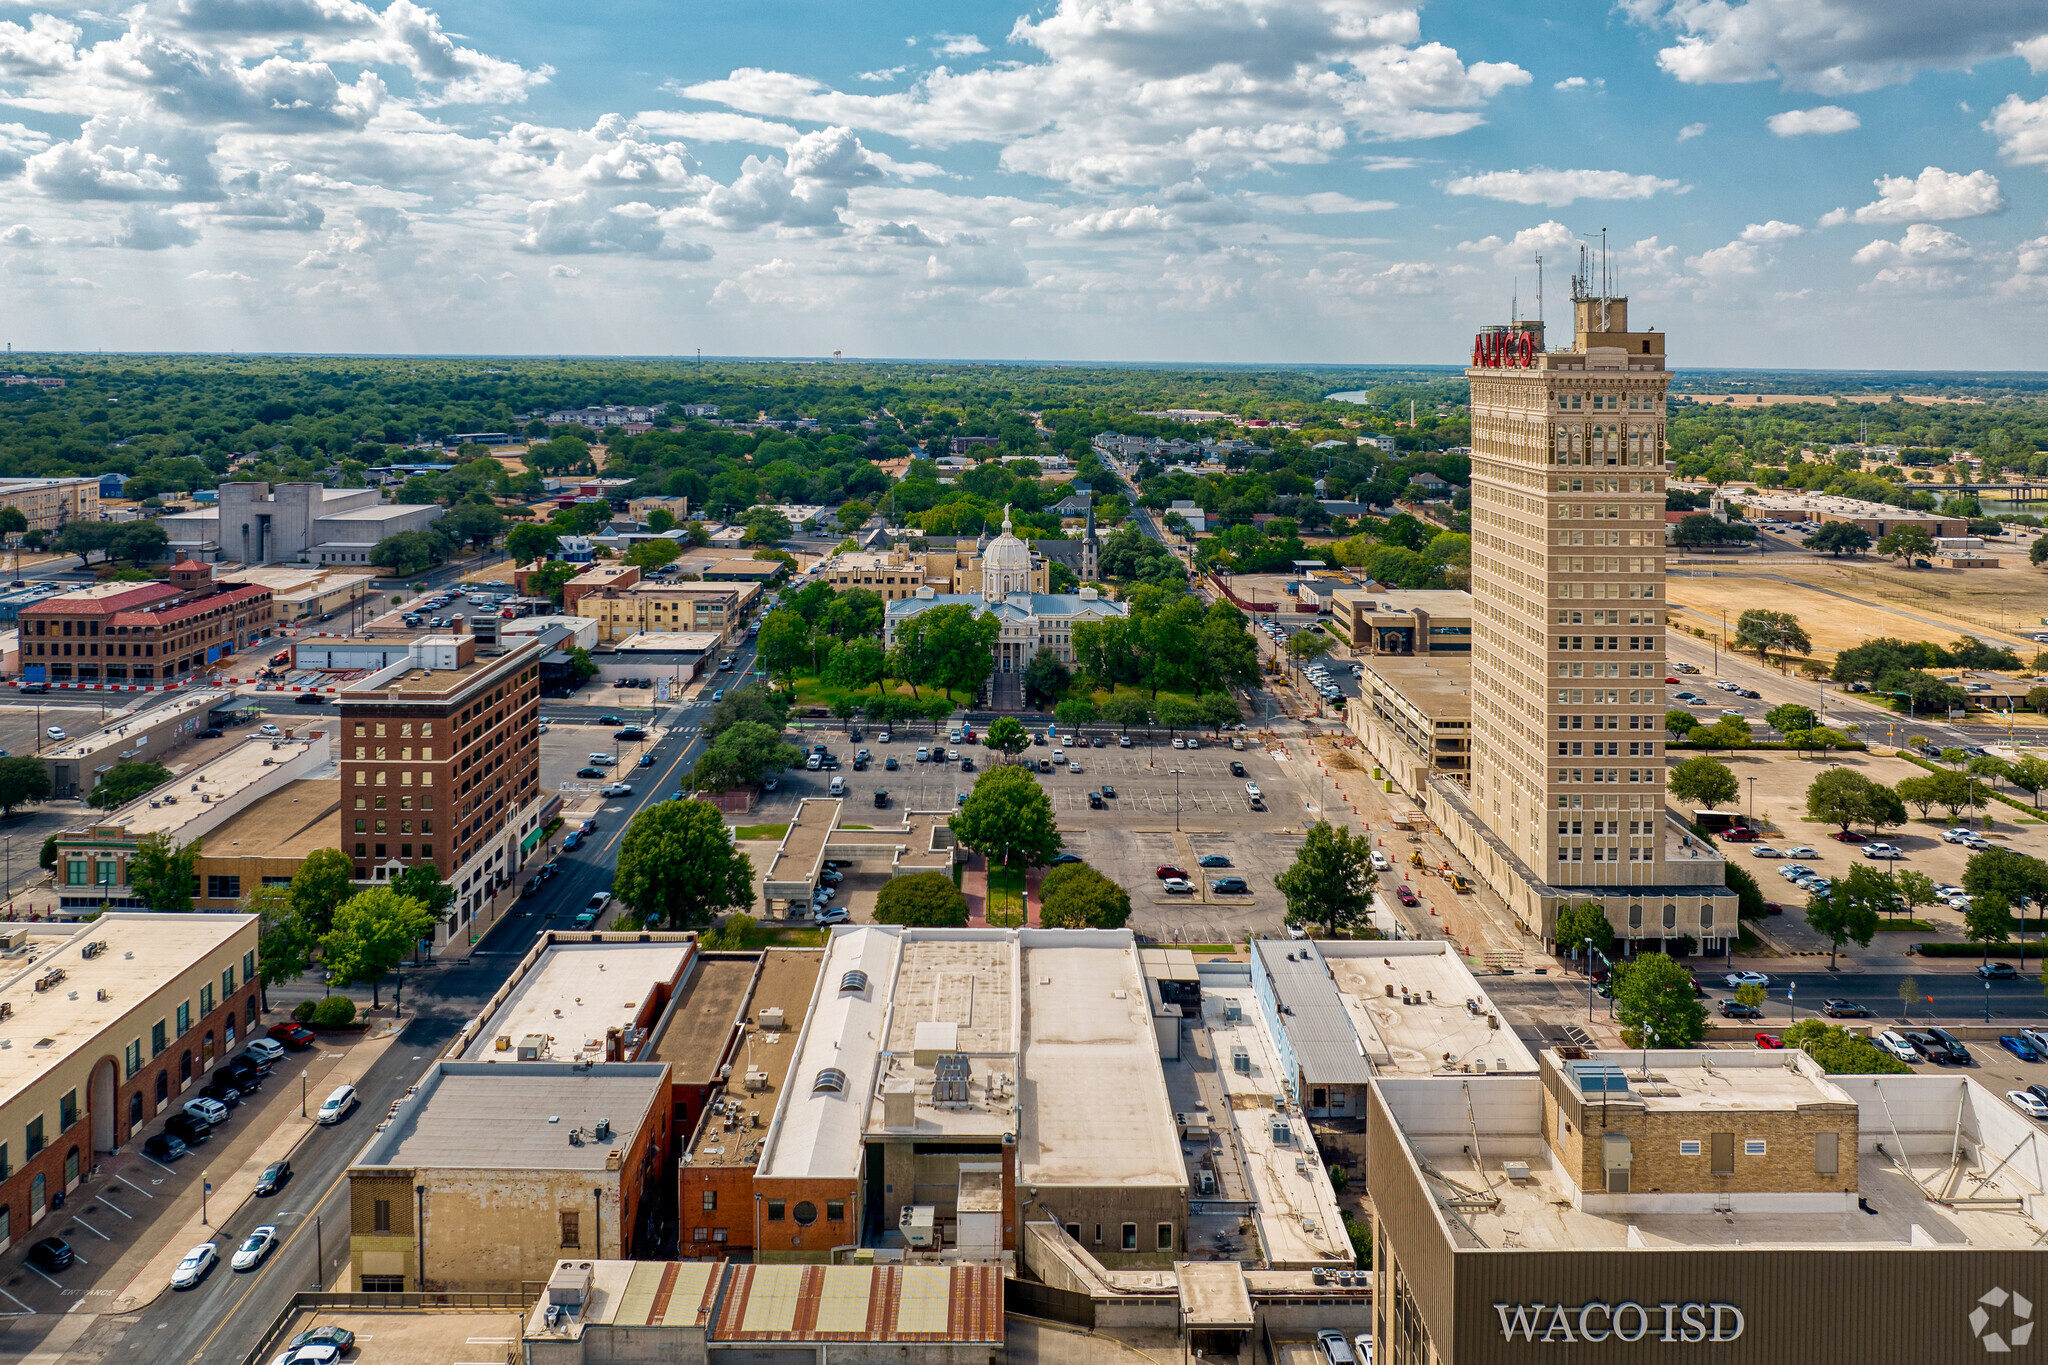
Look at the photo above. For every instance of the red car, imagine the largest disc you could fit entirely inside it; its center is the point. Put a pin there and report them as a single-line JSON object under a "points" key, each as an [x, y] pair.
{"points": [[1769, 1040], [1739, 835], [1169, 871], [1846, 836], [293, 1035], [1406, 895], [1671, 682]]}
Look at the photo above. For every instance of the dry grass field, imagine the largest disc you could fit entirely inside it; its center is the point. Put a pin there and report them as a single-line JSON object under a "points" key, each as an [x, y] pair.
{"points": [[1917, 604]]}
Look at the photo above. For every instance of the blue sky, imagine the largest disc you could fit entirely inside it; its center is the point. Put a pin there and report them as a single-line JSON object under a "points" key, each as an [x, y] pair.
{"points": [[1811, 183]]}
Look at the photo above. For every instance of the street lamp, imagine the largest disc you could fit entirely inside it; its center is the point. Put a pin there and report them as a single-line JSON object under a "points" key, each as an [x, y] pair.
{"points": [[1176, 798]]}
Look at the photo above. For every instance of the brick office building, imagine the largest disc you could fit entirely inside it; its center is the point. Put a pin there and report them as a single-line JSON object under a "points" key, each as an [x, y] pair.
{"points": [[132, 1011], [144, 632], [440, 765]]}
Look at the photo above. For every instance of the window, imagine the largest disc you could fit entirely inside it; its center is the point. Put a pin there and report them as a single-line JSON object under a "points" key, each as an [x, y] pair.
{"points": [[806, 1213], [775, 1210], [1827, 1158], [1723, 1162], [35, 1135], [383, 1284], [67, 1110], [249, 965], [184, 1017], [380, 1215], [1166, 1236], [1130, 1237], [1752, 1146], [227, 976], [157, 1040], [6, 1168], [206, 1000], [1689, 1147], [134, 1058], [572, 1231], [711, 1201], [835, 1210]]}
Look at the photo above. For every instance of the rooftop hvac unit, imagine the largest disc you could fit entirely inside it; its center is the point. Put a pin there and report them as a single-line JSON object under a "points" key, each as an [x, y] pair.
{"points": [[1241, 1061], [1283, 1133], [772, 1019], [1516, 1171], [919, 1225], [952, 1077], [1232, 1011]]}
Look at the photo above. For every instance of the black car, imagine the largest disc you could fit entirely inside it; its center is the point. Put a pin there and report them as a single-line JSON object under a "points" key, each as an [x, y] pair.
{"points": [[1943, 1047], [590, 774], [164, 1147], [188, 1130], [630, 732], [1998, 971], [1843, 1009], [52, 1253], [881, 798], [33, 689], [610, 720], [966, 765], [1735, 1009], [274, 1177], [211, 732], [309, 699], [1236, 768], [1095, 800], [219, 1087]]}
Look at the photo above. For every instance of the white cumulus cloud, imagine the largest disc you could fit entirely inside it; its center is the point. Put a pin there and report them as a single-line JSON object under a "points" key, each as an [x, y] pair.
{"points": [[2021, 127], [1773, 231], [1922, 243], [1935, 195], [1827, 118], [1555, 189], [1691, 131]]}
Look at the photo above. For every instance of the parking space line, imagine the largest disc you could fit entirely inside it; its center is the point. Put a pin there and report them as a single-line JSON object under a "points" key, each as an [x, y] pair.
{"points": [[158, 1164], [38, 1270], [115, 1207], [26, 1311], [90, 1228], [133, 1186]]}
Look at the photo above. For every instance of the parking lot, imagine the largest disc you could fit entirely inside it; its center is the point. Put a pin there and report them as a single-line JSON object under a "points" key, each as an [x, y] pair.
{"points": [[1128, 839]]}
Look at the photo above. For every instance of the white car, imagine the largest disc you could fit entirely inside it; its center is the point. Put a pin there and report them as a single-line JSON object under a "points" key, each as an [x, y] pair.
{"points": [[616, 789], [337, 1106], [1802, 851], [1178, 886], [1884, 852], [1073, 767], [255, 1247], [193, 1268], [1059, 755], [1765, 851], [1380, 861], [2027, 1104], [1251, 789], [1896, 1044], [1735, 979], [267, 731], [1334, 1349], [830, 914], [1958, 835], [1362, 1344], [603, 760]]}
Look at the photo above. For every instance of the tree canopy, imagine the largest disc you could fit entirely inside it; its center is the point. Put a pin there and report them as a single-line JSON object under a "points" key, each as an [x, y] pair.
{"points": [[1330, 884], [678, 866]]}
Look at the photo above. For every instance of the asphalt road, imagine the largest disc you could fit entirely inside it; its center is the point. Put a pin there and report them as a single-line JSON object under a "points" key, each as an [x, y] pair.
{"points": [[221, 1319], [1958, 995]]}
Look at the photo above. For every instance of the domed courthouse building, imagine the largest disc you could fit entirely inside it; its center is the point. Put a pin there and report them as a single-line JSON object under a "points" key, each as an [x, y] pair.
{"points": [[1031, 620]]}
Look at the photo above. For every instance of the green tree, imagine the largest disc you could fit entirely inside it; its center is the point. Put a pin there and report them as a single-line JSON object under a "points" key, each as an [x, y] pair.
{"points": [[1764, 630], [12, 521], [853, 514], [83, 538], [1305, 646], [660, 520], [1842, 1053], [1584, 925], [857, 664], [1076, 712], [1750, 994], [678, 865], [853, 614], [1843, 797], [1007, 736], [1848, 913], [582, 667], [1702, 781], [283, 947], [754, 702], [422, 882], [373, 932], [1008, 819], [547, 580], [1076, 896], [125, 781], [2030, 773], [318, 888], [479, 523], [409, 552], [2019, 877], [552, 457], [740, 756], [1789, 717], [1911, 890], [1906, 543], [1988, 921], [1124, 712], [1330, 883], [1046, 680], [161, 873], [784, 644], [921, 900], [23, 781], [1838, 538], [1679, 723], [1105, 652], [765, 526], [1654, 1003], [1726, 733], [652, 554]]}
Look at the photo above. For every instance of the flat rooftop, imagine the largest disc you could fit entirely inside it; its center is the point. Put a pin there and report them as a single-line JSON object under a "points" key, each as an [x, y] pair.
{"points": [[1425, 1027], [1407, 601], [817, 1125], [669, 642], [801, 855], [632, 1294], [702, 1016], [476, 1116], [1295, 1207], [144, 953], [955, 993], [177, 803], [1438, 686], [123, 731], [573, 994], [788, 978], [1095, 1106], [289, 823]]}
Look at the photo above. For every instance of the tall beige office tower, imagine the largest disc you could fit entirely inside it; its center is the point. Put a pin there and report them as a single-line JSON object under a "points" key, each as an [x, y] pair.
{"points": [[1567, 795]]}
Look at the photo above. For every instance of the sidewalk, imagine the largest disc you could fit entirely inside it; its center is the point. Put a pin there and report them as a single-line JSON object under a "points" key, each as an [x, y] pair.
{"points": [[234, 1187], [974, 886]]}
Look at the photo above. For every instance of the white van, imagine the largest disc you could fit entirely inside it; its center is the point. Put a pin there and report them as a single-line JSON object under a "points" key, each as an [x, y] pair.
{"points": [[338, 1105], [838, 786]]}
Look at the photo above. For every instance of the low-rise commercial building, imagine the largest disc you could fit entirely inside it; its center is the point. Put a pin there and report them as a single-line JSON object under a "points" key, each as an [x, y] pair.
{"points": [[144, 632], [1876, 518], [487, 1174], [107, 1024], [1635, 1204], [552, 1009], [77, 765], [1414, 716], [294, 523], [691, 608], [1409, 621], [47, 504]]}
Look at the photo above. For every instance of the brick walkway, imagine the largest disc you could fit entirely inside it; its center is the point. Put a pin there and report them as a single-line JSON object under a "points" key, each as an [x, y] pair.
{"points": [[974, 886]]}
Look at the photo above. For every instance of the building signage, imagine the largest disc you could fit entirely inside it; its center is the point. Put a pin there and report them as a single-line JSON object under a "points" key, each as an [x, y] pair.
{"points": [[1677, 1323]]}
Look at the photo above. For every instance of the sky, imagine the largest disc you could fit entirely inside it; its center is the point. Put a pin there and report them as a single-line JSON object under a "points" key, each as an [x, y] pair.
{"points": [[1781, 183]]}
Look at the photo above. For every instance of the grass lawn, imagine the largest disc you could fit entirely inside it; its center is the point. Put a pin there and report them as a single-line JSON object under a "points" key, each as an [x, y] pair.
{"points": [[812, 691], [1006, 896], [1906, 926], [760, 831]]}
